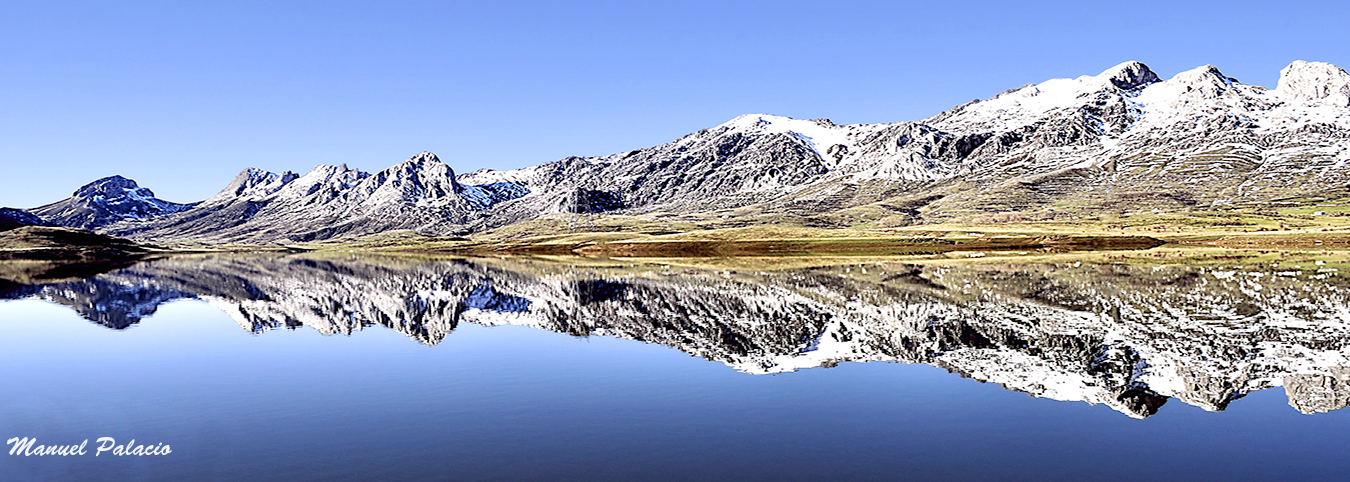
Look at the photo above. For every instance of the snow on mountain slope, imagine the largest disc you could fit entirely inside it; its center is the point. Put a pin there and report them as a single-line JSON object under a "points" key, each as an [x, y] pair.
{"points": [[1030, 104], [106, 201], [253, 184], [1200, 138], [821, 135], [1314, 84], [1120, 140], [329, 201]]}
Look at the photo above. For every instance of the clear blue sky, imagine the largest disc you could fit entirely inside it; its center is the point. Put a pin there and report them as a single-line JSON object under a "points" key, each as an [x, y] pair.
{"points": [[183, 95]]}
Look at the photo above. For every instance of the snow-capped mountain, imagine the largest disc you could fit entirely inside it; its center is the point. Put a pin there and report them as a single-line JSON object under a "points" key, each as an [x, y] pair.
{"points": [[1129, 337], [258, 206], [1122, 140], [106, 201]]}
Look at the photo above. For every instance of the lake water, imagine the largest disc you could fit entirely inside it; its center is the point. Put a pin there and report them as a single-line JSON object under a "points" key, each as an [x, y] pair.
{"points": [[363, 368]]}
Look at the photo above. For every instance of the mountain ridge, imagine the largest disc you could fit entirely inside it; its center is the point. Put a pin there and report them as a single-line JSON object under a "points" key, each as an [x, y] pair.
{"points": [[1122, 140], [105, 201]]}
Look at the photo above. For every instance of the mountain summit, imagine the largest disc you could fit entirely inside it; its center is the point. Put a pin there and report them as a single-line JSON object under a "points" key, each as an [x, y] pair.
{"points": [[106, 201], [1130, 75], [1316, 83]]}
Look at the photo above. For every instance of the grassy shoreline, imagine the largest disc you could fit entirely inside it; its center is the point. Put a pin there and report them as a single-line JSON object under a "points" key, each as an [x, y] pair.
{"points": [[802, 241], [631, 237]]}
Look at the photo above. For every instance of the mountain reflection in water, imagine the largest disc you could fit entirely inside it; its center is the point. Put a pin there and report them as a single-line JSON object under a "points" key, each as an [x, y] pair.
{"points": [[1130, 337]]}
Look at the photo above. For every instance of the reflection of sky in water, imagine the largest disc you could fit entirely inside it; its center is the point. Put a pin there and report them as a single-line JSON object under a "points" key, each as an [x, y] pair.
{"points": [[521, 402]]}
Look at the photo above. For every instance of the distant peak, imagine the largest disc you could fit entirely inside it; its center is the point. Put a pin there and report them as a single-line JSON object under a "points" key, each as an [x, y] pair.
{"points": [[765, 120], [424, 156], [1314, 67], [329, 169], [114, 178], [110, 186], [1204, 75], [1208, 69], [1130, 75], [254, 181], [425, 163], [422, 161], [1315, 82], [254, 176], [749, 120], [113, 181]]}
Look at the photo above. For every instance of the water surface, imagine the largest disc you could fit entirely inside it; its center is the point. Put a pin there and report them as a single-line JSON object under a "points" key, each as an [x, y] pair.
{"points": [[357, 368]]}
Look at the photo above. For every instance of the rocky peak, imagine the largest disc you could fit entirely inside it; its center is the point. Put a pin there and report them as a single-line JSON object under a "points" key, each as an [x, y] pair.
{"points": [[1129, 75], [1206, 77], [422, 179], [109, 187], [424, 158], [1203, 89], [819, 135], [1316, 83], [753, 121], [323, 184], [325, 172], [253, 182], [1062, 102], [421, 169], [106, 201]]}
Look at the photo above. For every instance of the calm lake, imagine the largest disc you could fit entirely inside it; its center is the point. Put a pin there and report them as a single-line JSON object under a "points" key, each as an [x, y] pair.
{"points": [[302, 367]]}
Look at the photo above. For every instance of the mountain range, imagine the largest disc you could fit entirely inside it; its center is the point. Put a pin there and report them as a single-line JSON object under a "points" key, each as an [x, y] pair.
{"points": [[1122, 141]]}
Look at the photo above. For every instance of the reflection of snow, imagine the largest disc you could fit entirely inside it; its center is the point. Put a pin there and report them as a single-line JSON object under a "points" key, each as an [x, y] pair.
{"points": [[1127, 337], [485, 298]]}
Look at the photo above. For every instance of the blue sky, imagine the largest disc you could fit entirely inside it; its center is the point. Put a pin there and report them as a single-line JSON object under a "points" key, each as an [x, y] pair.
{"points": [[181, 96]]}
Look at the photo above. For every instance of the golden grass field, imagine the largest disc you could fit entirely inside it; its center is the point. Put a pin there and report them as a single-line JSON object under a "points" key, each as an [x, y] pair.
{"points": [[1309, 224], [1313, 223]]}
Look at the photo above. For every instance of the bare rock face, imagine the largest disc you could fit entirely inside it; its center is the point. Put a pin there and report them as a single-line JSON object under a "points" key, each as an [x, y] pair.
{"points": [[1316, 83], [1316, 393]]}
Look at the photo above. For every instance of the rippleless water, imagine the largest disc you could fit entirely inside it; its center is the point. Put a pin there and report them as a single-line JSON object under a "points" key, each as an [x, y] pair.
{"points": [[360, 368]]}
